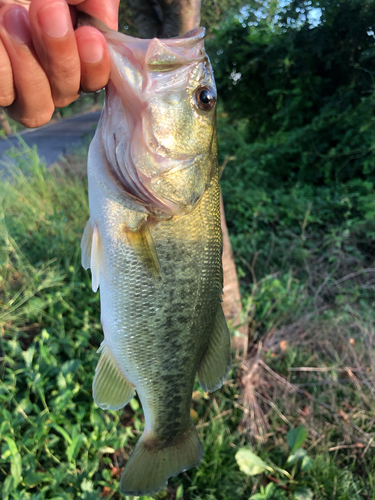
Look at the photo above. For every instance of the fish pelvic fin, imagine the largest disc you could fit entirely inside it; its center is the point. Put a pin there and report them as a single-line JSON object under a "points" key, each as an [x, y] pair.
{"points": [[153, 462], [217, 360], [92, 253], [86, 243], [110, 389], [142, 243]]}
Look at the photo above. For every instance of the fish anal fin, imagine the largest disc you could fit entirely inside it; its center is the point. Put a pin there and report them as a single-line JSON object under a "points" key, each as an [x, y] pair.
{"points": [[216, 362], [86, 244], [153, 462], [110, 389], [142, 243]]}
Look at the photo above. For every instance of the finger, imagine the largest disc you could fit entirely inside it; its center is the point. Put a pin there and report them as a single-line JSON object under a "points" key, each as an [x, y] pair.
{"points": [[33, 105], [55, 43], [24, 3], [106, 11], [7, 91], [94, 55]]}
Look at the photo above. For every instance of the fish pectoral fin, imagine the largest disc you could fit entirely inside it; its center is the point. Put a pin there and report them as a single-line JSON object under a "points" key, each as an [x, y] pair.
{"points": [[111, 390], [216, 362], [142, 243], [86, 243]]}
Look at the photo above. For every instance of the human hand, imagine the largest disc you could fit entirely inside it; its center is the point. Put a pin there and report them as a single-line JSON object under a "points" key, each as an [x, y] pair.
{"points": [[43, 62]]}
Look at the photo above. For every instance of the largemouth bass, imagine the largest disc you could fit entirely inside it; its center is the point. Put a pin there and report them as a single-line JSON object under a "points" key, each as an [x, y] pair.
{"points": [[153, 243]]}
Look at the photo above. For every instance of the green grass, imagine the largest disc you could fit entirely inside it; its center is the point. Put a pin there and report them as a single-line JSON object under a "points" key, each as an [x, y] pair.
{"points": [[56, 444]]}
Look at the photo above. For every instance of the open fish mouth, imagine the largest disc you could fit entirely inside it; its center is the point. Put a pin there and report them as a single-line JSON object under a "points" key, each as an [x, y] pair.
{"points": [[160, 145]]}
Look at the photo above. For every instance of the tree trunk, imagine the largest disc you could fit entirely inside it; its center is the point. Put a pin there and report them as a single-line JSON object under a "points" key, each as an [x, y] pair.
{"points": [[165, 19], [4, 124], [232, 306]]}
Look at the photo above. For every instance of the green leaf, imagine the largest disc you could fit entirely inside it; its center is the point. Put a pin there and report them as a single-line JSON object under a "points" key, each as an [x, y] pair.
{"points": [[16, 469], [106, 473], [32, 478], [296, 437], [63, 432], [70, 366], [11, 445], [250, 463], [179, 492], [303, 493], [307, 464], [16, 462], [7, 485], [87, 485], [258, 496], [298, 454], [134, 405], [269, 490], [284, 472], [74, 447], [28, 355]]}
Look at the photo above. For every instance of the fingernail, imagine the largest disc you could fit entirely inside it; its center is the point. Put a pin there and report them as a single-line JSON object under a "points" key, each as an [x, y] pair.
{"points": [[91, 49], [53, 19], [17, 25]]}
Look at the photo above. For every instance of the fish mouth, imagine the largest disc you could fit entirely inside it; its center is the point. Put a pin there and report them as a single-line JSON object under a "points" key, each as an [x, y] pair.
{"points": [[152, 169]]}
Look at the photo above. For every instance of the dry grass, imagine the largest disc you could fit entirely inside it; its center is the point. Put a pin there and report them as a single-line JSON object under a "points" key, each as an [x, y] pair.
{"points": [[319, 372]]}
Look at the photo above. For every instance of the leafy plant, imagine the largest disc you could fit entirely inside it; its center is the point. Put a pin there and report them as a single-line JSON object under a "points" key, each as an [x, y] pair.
{"points": [[289, 479]]}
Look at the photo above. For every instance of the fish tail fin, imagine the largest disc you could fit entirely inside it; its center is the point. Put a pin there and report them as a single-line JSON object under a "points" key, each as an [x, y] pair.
{"points": [[153, 462]]}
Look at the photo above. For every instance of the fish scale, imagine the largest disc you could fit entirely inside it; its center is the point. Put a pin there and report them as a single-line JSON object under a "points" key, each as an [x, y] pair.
{"points": [[145, 315], [153, 243]]}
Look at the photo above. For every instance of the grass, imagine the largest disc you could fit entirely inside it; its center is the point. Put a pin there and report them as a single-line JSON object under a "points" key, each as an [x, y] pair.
{"points": [[310, 362]]}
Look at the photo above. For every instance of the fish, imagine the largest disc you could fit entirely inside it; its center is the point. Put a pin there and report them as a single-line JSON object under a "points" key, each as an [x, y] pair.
{"points": [[154, 246]]}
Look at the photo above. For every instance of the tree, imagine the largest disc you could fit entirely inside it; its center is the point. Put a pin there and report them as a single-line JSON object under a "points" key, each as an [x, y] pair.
{"points": [[303, 78], [162, 17]]}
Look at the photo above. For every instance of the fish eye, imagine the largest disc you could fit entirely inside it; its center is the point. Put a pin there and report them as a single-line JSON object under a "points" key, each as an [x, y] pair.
{"points": [[205, 98]]}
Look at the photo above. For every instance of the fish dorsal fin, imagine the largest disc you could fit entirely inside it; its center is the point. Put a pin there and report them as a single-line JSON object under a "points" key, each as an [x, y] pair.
{"points": [[142, 243], [111, 390], [216, 362]]}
